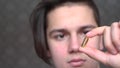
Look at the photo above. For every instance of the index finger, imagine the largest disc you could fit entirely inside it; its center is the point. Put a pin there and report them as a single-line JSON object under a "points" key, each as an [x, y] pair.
{"points": [[96, 31]]}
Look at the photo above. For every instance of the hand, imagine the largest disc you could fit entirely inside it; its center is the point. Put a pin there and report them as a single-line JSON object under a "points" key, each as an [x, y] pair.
{"points": [[111, 39]]}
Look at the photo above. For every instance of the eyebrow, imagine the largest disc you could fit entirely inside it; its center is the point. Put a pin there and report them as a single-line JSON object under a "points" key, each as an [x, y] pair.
{"points": [[87, 26], [57, 30], [65, 31]]}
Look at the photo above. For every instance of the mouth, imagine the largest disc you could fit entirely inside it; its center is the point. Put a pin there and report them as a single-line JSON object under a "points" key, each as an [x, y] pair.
{"points": [[76, 62]]}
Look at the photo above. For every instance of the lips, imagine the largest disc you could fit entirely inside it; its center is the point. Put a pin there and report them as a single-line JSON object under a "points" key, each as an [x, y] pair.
{"points": [[76, 62]]}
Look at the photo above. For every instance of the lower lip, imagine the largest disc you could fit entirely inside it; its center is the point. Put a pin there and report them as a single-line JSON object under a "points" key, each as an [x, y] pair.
{"points": [[77, 63]]}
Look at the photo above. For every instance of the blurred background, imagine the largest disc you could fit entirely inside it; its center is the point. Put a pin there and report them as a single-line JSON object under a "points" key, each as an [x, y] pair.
{"points": [[16, 41]]}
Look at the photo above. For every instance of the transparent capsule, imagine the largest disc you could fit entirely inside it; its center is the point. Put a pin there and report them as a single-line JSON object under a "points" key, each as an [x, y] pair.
{"points": [[85, 40]]}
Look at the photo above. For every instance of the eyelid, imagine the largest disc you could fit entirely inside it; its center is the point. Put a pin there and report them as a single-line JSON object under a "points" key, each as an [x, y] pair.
{"points": [[57, 31], [60, 37], [56, 34], [86, 31], [86, 28]]}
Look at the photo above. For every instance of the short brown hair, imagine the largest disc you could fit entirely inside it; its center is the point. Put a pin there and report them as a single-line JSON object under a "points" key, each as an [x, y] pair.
{"points": [[39, 23]]}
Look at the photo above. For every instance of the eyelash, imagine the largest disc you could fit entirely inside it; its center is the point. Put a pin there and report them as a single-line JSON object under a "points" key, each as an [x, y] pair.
{"points": [[59, 37], [86, 31], [62, 36]]}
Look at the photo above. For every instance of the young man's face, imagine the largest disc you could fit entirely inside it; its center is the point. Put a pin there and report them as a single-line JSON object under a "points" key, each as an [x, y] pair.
{"points": [[67, 25]]}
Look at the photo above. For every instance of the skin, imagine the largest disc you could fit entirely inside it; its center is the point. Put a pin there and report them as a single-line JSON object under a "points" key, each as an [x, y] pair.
{"points": [[111, 37], [67, 25], [64, 36]]}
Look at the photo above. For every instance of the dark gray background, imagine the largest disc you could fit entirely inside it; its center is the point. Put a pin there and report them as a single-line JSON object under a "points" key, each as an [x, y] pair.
{"points": [[16, 42]]}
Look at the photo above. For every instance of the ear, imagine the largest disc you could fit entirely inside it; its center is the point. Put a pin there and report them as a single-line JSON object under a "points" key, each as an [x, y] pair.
{"points": [[48, 54]]}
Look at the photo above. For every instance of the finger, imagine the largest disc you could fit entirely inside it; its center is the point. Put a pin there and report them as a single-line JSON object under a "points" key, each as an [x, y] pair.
{"points": [[107, 41], [96, 31], [115, 35], [95, 54]]}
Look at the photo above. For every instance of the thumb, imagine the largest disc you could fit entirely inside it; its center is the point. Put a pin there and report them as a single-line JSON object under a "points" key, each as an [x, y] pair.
{"points": [[95, 54]]}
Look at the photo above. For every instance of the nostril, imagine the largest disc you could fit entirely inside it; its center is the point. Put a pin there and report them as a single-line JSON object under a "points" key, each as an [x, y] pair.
{"points": [[74, 46]]}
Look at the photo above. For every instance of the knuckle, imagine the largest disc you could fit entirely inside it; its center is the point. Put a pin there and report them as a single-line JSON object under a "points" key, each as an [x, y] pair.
{"points": [[116, 41], [106, 26], [108, 46], [114, 24]]}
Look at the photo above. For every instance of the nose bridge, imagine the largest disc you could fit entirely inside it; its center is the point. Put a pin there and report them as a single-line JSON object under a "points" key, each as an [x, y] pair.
{"points": [[74, 43]]}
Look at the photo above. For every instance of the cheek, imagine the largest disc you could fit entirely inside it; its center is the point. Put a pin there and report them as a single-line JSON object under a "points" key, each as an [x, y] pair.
{"points": [[58, 50]]}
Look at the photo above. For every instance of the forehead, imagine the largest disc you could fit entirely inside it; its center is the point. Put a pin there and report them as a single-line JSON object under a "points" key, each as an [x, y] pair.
{"points": [[70, 16]]}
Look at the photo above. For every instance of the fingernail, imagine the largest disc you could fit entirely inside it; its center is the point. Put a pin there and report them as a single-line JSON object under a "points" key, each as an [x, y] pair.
{"points": [[89, 34]]}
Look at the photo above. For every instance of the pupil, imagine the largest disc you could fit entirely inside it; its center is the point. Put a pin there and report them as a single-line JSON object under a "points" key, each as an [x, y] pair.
{"points": [[61, 36]]}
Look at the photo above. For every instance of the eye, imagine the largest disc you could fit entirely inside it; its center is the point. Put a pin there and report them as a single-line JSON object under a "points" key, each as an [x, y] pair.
{"points": [[86, 31], [59, 37]]}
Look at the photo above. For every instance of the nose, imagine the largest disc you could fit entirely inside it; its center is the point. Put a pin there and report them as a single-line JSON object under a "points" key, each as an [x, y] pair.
{"points": [[74, 44]]}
